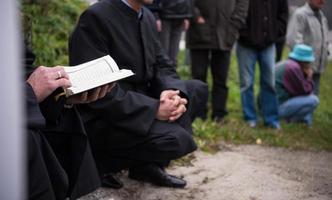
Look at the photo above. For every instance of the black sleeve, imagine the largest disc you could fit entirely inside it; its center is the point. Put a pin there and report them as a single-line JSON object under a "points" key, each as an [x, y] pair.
{"points": [[239, 15], [34, 116]]}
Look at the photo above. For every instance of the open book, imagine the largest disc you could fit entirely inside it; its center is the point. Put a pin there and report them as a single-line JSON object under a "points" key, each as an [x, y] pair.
{"points": [[93, 74]]}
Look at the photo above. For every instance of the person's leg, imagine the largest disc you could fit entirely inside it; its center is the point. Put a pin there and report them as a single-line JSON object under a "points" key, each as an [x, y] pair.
{"points": [[46, 178], [175, 37], [268, 97], [247, 59], [166, 142], [200, 62], [220, 61], [279, 49], [165, 35], [299, 109], [117, 149], [316, 78]]}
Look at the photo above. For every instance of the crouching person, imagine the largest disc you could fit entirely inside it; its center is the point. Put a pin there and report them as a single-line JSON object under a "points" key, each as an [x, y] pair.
{"points": [[294, 85], [145, 121], [60, 163]]}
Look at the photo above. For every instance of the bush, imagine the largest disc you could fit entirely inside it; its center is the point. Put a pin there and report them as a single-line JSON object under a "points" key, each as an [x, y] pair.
{"points": [[47, 25]]}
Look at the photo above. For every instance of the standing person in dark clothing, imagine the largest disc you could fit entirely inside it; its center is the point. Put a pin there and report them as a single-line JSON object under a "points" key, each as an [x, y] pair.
{"points": [[60, 163], [145, 122], [173, 18], [295, 86], [214, 30], [266, 23]]}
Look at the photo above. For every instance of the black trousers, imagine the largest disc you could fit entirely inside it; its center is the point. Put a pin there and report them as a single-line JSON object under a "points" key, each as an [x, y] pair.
{"points": [[60, 164], [115, 149], [47, 180], [219, 61]]}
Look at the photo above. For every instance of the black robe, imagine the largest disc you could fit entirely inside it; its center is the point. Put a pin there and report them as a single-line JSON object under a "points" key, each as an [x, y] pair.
{"points": [[122, 126], [60, 163]]}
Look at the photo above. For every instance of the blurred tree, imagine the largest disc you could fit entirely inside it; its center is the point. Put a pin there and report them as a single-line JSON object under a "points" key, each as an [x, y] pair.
{"points": [[47, 25]]}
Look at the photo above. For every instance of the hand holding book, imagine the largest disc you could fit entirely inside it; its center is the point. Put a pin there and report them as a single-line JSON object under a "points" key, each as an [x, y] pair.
{"points": [[91, 95], [93, 74]]}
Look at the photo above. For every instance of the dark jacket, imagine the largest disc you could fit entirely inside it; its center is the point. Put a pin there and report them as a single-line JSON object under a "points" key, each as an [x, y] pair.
{"points": [[266, 23], [223, 20], [176, 9], [171, 9], [155, 6]]}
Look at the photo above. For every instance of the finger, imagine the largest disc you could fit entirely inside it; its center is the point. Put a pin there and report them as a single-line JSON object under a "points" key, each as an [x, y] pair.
{"points": [[59, 72], [103, 91], [111, 86], [169, 94], [94, 95], [83, 98], [183, 101], [62, 83], [181, 109], [174, 118], [177, 99]]}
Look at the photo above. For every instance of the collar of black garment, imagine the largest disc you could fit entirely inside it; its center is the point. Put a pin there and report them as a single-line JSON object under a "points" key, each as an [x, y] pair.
{"points": [[125, 8]]}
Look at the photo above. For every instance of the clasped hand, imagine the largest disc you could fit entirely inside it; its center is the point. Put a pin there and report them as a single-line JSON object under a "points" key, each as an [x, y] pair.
{"points": [[171, 106]]}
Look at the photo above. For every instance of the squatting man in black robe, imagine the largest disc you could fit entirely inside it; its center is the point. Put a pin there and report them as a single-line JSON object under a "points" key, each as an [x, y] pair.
{"points": [[60, 163], [145, 121]]}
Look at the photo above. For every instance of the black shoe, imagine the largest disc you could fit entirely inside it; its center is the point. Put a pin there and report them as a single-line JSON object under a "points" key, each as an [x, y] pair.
{"points": [[111, 181], [155, 175], [219, 120]]}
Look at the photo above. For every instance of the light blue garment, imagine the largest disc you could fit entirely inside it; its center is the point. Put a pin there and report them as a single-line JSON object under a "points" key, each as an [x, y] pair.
{"points": [[247, 58], [299, 109]]}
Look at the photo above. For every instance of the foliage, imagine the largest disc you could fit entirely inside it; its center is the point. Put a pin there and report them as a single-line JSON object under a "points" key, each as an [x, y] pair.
{"points": [[47, 25], [234, 130]]}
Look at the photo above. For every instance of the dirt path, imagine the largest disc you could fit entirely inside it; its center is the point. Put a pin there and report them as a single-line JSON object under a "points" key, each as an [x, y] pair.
{"points": [[240, 172]]}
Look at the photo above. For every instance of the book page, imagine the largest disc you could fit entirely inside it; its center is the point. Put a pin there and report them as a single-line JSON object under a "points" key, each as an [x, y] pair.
{"points": [[94, 73]]}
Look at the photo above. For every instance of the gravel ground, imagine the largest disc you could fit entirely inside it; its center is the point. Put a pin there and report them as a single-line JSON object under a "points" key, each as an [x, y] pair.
{"points": [[247, 172]]}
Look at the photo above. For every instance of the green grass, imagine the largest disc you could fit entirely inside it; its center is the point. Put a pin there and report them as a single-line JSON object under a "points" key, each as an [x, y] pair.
{"points": [[234, 130], [51, 21]]}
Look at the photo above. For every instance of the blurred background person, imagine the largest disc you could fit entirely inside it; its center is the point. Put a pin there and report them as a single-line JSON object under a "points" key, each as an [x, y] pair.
{"points": [[214, 29], [172, 19], [266, 23], [295, 86], [308, 25]]}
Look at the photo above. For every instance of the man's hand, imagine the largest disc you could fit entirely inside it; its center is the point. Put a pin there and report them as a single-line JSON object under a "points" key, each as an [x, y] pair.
{"points": [[308, 72], [44, 80], [159, 25], [91, 95], [172, 106], [200, 20], [186, 24], [179, 111]]}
